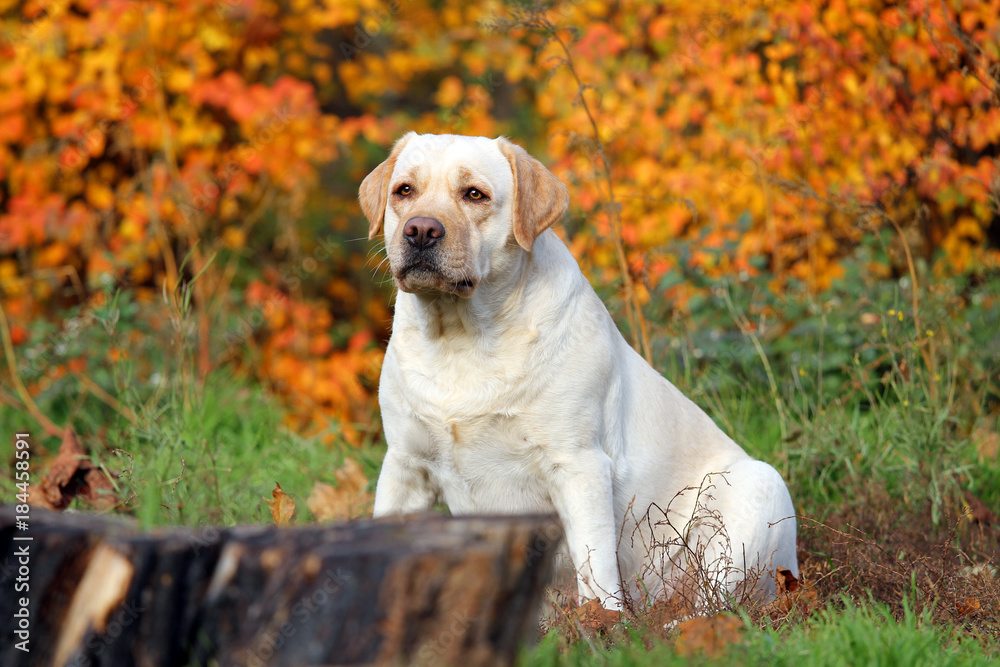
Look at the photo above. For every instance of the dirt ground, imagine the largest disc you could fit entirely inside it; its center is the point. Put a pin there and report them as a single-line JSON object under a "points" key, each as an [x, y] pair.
{"points": [[871, 548]]}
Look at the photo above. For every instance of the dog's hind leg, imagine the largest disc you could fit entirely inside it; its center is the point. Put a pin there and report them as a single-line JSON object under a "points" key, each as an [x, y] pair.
{"points": [[757, 530]]}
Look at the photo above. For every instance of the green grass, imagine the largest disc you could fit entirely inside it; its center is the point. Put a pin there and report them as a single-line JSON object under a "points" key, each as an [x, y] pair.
{"points": [[842, 635], [182, 452], [209, 460], [850, 386], [215, 461]]}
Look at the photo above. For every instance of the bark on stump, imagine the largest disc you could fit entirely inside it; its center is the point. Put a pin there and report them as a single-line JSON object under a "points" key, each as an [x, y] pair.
{"points": [[426, 590]]}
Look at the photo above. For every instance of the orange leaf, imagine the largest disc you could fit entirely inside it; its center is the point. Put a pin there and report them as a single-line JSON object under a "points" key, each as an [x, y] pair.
{"points": [[708, 634], [790, 594], [282, 507], [450, 92], [594, 618], [350, 498], [785, 581], [18, 334], [99, 195], [73, 475], [63, 468], [11, 129], [968, 607]]}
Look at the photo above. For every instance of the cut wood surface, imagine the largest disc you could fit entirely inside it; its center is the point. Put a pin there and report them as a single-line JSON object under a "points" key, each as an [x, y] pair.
{"points": [[426, 590]]}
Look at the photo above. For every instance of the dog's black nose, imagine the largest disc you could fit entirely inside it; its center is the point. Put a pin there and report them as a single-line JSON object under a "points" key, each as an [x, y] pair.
{"points": [[423, 233]]}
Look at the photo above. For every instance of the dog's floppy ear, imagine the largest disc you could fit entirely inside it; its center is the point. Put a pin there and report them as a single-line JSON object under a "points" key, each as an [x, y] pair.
{"points": [[374, 191], [540, 198]]}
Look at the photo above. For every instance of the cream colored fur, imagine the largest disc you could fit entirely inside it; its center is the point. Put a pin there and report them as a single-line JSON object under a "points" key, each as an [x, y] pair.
{"points": [[507, 388]]}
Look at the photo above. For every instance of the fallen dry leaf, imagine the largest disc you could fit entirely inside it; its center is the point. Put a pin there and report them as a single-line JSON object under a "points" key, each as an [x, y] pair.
{"points": [[785, 581], [594, 618], [987, 442], [977, 511], [351, 477], [67, 462], [349, 499], [72, 474], [790, 594], [968, 607], [708, 634], [282, 506]]}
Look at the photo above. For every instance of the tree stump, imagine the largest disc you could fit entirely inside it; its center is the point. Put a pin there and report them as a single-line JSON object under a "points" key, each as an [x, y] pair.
{"points": [[426, 590]]}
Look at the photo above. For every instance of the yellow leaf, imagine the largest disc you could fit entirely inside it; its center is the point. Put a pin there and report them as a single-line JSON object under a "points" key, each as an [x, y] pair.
{"points": [[213, 38], [228, 209], [8, 270], [130, 229], [647, 172], [180, 79], [850, 83], [233, 237], [99, 195]]}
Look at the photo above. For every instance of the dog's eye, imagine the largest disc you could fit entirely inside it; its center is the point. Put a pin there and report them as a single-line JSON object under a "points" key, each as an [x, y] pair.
{"points": [[404, 190], [474, 194]]}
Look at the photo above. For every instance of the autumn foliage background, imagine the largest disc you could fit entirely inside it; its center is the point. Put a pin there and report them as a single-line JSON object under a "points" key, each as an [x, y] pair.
{"points": [[792, 209], [200, 159]]}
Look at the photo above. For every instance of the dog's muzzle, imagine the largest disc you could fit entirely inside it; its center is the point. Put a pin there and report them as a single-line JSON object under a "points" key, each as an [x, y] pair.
{"points": [[421, 269]]}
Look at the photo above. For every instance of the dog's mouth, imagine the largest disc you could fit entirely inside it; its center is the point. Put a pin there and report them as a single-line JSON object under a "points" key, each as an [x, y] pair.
{"points": [[422, 276], [464, 288]]}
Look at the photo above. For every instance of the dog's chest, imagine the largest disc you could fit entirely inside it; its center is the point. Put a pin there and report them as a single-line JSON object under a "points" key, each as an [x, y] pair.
{"points": [[477, 398], [487, 451], [489, 463], [461, 379]]}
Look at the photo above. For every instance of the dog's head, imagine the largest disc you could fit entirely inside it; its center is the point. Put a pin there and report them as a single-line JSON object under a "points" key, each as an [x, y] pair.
{"points": [[455, 208]]}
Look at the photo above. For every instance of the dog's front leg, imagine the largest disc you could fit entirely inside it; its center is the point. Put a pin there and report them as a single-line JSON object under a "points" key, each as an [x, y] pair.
{"points": [[583, 494], [404, 483], [403, 486]]}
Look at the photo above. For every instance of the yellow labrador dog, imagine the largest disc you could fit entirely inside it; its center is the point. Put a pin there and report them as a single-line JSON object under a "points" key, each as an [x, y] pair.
{"points": [[507, 388]]}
